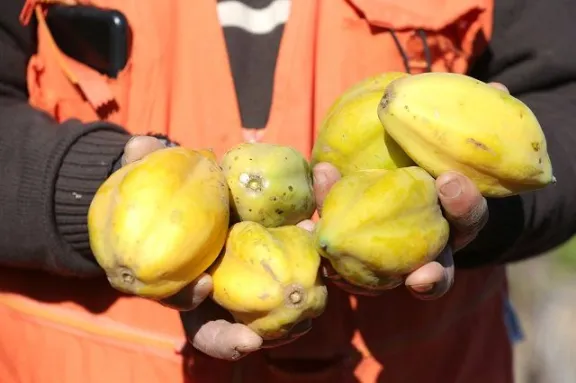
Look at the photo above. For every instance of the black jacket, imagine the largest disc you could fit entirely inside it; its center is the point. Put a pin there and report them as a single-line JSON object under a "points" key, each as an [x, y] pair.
{"points": [[49, 172]]}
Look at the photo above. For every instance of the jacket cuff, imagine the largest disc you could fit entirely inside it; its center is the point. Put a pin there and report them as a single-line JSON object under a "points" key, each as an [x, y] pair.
{"points": [[86, 165]]}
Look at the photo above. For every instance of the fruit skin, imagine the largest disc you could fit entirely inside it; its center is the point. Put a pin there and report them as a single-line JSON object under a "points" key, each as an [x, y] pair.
{"points": [[269, 184], [268, 278], [379, 225], [351, 136], [158, 223], [447, 121]]}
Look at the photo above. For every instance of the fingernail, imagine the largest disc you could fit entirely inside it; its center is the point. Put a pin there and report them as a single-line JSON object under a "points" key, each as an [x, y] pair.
{"points": [[202, 282], [423, 289], [319, 177], [131, 140], [499, 86], [451, 189]]}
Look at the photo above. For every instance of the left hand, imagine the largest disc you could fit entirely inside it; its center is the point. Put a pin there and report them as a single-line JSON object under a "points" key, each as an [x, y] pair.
{"points": [[465, 209]]}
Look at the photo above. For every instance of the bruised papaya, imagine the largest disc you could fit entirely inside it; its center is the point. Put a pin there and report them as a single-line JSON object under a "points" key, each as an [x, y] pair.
{"points": [[379, 225], [351, 136], [156, 224], [269, 184], [268, 279]]}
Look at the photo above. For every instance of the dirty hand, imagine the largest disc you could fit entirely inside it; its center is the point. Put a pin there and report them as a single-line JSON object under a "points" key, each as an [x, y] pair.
{"points": [[209, 328], [464, 207]]}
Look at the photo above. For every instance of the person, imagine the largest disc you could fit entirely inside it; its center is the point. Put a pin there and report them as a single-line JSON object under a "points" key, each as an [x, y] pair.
{"points": [[213, 74]]}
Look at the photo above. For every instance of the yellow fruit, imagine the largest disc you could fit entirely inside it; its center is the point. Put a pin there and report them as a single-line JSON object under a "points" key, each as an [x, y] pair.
{"points": [[269, 184], [379, 225], [268, 278], [447, 121], [351, 137], [158, 223]]}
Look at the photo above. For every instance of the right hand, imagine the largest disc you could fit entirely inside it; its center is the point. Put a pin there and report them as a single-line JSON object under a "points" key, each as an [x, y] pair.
{"points": [[210, 328]]}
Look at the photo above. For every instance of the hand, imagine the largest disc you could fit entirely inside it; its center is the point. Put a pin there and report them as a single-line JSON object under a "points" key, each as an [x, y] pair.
{"points": [[464, 207], [209, 327]]}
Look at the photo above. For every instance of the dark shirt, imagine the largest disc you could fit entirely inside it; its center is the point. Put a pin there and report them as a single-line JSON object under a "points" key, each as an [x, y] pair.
{"points": [[49, 173]]}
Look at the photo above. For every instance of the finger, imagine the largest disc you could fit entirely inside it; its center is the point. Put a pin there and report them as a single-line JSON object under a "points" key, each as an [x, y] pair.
{"points": [[224, 340], [434, 279], [140, 146], [464, 207], [190, 296], [211, 330], [325, 175], [500, 86]]}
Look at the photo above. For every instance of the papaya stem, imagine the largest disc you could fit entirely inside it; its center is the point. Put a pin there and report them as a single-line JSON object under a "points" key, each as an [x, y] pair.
{"points": [[254, 182], [127, 275], [295, 295]]}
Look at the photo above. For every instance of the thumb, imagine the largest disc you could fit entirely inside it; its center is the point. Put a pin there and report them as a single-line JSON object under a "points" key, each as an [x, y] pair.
{"points": [[211, 329], [225, 340], [325, 176], [190, 296], [139, 147], [464, 207]]}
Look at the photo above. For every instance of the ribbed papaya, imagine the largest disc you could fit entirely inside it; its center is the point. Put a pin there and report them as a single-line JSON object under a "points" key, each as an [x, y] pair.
{"points": [[268, 278], [156, 224]]}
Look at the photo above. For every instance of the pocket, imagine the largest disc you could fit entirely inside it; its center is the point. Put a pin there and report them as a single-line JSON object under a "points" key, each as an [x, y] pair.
{"points": [[66, 88]]}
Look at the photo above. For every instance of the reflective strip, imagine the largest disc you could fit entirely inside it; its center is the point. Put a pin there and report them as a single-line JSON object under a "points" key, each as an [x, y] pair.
{"points": [[233, 13]]}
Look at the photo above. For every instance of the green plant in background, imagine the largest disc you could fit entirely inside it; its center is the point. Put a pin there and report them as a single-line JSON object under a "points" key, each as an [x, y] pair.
{"points": [[565, 255]]}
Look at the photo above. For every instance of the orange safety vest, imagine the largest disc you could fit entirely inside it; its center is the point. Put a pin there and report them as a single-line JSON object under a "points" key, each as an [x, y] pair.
{"points": [[178, 82]]}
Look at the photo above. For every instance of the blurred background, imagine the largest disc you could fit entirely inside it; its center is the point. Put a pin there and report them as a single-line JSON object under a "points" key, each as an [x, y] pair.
{"points": [[543, 292]]}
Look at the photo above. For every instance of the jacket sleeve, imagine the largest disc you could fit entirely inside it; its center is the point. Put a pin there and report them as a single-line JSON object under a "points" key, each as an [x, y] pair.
{"points": [[48, 171], [532, 53]]}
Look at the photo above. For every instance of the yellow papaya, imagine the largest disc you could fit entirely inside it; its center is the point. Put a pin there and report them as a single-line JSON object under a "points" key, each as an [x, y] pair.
{"points": [[156, 224], [378, 225], [268, 278], [449, 121], [269, 184], [351, 136]]}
